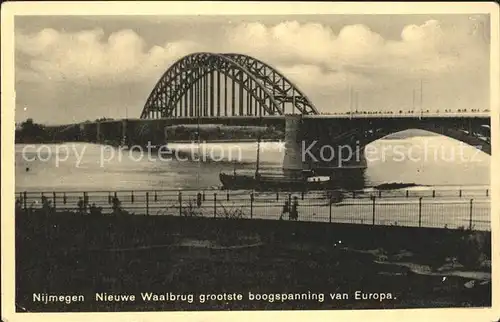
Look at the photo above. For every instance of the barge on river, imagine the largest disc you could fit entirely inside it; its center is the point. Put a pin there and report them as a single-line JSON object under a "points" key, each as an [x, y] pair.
{"points": [[267, 182]]}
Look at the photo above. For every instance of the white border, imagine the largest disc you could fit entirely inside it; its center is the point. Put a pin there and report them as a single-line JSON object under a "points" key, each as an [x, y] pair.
{"points": [[11, 9]]}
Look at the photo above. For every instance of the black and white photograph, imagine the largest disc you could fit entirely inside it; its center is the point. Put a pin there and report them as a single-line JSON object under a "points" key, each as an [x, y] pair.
{"points": [[245, 161]]}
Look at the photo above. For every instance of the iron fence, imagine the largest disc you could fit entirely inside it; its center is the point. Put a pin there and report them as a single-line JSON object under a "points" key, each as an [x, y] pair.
{"points": [[458, 210], [466, 193]]}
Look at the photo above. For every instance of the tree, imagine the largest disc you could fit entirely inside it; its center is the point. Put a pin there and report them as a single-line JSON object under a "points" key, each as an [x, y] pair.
{"points": [[27, 125], [30, 131]]}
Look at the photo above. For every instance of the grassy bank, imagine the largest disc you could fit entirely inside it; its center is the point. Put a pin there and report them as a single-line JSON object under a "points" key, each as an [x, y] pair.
{"points": [[66, 253]]}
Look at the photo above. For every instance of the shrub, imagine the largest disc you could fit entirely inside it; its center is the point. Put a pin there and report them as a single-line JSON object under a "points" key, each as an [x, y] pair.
{"points": [[232, 213], [473, 248], [191, 209]]}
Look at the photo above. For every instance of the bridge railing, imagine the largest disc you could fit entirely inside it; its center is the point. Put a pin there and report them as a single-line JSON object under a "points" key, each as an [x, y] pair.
{"points": [[467, 210], [413, 112]]}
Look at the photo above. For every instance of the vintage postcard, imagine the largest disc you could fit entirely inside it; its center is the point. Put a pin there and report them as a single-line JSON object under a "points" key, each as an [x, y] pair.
{"points": [[311, 160]]}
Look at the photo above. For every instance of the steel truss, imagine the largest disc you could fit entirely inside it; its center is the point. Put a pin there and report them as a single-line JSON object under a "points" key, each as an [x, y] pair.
{"points": [[197, 86]]}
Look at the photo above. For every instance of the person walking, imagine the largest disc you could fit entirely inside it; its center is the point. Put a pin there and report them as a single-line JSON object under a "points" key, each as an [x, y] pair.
{"points": [[198, 199], [286, 210], [294, 213]]}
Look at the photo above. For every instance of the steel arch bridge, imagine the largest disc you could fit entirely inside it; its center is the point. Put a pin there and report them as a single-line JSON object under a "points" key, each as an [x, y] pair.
{"points": [[214, 85]]}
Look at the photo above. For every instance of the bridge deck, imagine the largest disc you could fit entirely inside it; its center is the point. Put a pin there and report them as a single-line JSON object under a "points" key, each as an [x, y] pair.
{"points": [[324, 116]]}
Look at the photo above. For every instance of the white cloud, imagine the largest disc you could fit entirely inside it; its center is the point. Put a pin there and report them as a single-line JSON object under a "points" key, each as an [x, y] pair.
{"points": [[311, 78], [87, 56], [323, 63], [427, 47], [123, 56]]}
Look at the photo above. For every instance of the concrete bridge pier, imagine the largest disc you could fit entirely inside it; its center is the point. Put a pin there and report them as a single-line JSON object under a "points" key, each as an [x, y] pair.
{"points": [[98, 134], [144, 133], [124, 137], [292, 161], [329, 150]]}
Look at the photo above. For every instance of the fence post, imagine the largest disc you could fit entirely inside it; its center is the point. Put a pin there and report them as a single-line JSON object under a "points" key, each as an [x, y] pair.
{"points": [[54, 199], [132, 196], [470, 214], [330, 211], [373, 210], [227, 196], [420, 212], [407, 194], [289, 199], [85, 201], [251, 205], [380, 193], [277, 196], [24, 200], [302, 195], [460, 193], [109, 198], [180, 203], [18, 201], [147, 203], [487, 192], [433, 193], [353, 194], [156, 197], [215, 204], [203, 195], [64, 197]]}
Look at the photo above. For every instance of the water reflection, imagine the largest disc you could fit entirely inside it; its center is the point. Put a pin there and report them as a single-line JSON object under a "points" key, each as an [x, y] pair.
{"points": [[83, 166]]}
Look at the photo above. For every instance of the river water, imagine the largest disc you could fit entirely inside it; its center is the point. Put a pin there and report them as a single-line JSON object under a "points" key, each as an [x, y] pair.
{"points": [[435, 161]]}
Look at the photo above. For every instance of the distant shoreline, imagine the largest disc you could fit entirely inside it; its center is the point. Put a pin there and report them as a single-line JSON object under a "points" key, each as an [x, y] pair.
{"points": [[224, 141], [170, 142]]}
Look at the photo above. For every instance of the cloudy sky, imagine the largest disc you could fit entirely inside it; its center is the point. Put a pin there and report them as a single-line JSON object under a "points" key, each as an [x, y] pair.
{"points": [[71, 69]]}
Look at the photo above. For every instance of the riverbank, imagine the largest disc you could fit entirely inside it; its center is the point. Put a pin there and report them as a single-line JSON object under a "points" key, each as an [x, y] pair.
{"points": [[66, 253], [33, 133]]}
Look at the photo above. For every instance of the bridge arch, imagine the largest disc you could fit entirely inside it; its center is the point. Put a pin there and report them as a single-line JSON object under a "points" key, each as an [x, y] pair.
{"points": [[321, 136], [192, 87], [473, 138]]}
